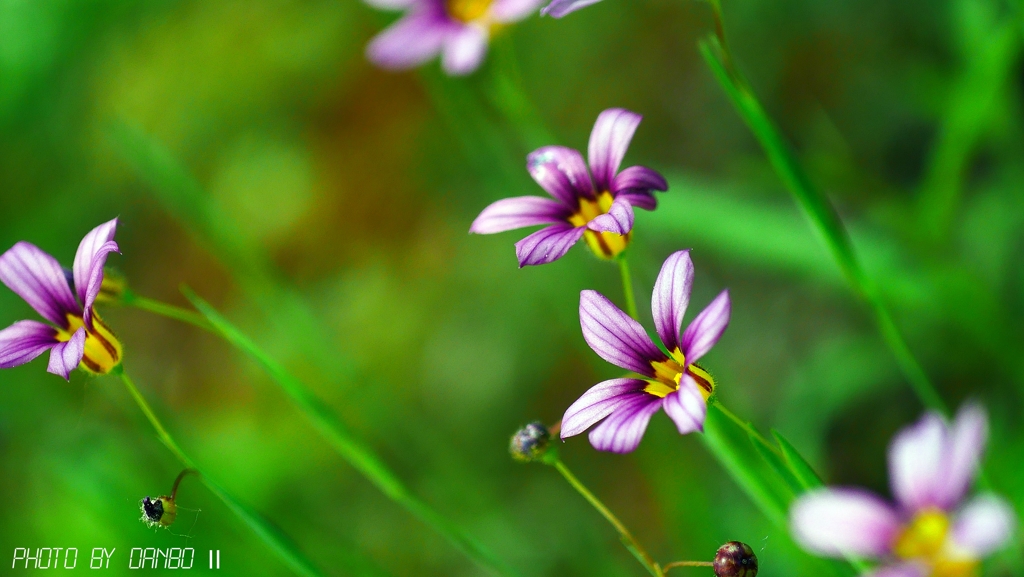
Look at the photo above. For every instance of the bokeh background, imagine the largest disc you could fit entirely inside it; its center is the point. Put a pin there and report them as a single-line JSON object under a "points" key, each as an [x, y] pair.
{"points": [[253, 153]]}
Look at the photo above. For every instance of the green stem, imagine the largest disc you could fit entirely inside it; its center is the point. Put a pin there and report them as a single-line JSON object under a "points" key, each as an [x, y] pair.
{"points": [[357, 454], [747, 427], [818, 209], [627, 286], [167, 310], [278, 542], [627, 537]]}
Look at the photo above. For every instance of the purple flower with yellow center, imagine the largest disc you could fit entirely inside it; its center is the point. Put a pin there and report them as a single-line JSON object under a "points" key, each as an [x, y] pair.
{"points": [[77, 336], [458, 30], [930, 531], [559, 8], [671, 380], [599, 210]]}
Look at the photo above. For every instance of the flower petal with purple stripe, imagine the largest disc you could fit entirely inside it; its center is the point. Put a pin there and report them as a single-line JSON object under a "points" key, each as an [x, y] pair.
{"points": [[644, 200], [915, 463], [506, 11], [609, 141], [24, 341], [687, 406], [39, 279], [547, 244], [562, 172], [89, 262], [598, 402], [966, 443], [705, 330], [518, 212], [559, 8], [671, 296], [616, 337], [639, 178], [622, 431], [416, 38], [618, 219], [837, 522], [984, 525], [64, 357]]}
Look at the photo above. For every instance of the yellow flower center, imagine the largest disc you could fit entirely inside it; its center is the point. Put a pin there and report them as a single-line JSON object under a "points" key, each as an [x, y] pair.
{"points": [[468, 10], [669, 372], [925, 539], [606, 245], [102, 349]]}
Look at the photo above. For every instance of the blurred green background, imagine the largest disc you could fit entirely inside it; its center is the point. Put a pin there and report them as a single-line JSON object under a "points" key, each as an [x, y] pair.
{"points": [[253, 153]]}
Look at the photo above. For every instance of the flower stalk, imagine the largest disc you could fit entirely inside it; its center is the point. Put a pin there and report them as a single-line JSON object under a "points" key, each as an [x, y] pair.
{"points": [[627, 286]]}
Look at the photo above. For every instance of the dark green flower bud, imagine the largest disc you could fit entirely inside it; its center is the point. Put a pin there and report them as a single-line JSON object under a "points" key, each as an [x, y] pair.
{"points": [[530, 443], [735, 559]]}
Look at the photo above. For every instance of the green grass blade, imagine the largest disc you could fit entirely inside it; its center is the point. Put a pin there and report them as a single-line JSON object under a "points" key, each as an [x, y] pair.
{"points": [[352, 450], [803, 471], [824, 217], [779, 465]]}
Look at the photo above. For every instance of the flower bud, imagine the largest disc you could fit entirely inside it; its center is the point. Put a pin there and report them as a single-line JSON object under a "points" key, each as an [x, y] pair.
{"points": [[735, 559], [159, 512], [530, 443]]}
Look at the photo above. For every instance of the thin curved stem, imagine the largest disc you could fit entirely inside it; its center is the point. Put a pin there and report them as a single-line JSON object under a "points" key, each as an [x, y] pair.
{"points": [[675, 564], [627, 538], [277, 541], [166, 310], [627, 286], [747, 427], [177, 481]]}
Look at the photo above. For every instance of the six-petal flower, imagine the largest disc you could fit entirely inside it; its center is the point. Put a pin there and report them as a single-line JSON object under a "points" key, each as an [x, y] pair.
{"points": [[598, 209], [78, 337], [458, 30], [671, 381], [930, 532]]}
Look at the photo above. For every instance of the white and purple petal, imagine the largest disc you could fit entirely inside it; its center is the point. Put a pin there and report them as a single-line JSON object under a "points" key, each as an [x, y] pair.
{"points": [[562, 172], [89, 262], [598, 402], [24, 341], [618, 219], [916, 458], [644, 200], [609, 141], [705, 330], [547, 244], [38, 278], [837, 522], [506, 11], [966, 443], [911, 569], [622, 431], [640, 179], [518, 212], [64, 357], [559, 8], [687, 407], [615, 336], [671, 296], [416, 38], [464, 49], [984, 525]]}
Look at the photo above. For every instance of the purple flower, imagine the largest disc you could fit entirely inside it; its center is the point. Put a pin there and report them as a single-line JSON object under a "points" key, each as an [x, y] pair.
{"points": [[930, 531], [559, 8], [598, 209], [77, 337], [458, 30], [671, 381]]}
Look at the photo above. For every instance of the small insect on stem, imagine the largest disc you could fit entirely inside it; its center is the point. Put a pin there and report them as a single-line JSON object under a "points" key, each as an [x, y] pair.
{"points": [[162, 511]]}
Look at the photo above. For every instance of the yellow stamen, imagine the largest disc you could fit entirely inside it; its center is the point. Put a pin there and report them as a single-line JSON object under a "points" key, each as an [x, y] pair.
{"points": [[606, 245], [925, 539], [669, 373], [102, 349], [468, 10]]}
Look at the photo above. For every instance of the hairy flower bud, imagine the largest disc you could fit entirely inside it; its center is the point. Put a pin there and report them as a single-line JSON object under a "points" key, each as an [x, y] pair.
{"points": [[735, 559], [159, 512], [530, 443]]}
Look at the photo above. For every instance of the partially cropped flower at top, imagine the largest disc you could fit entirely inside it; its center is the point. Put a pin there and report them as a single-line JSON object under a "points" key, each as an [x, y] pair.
{"points": [[671, 381], [600, 210], [78, 337], [559, 8], [458, 30], [930, 531]]}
